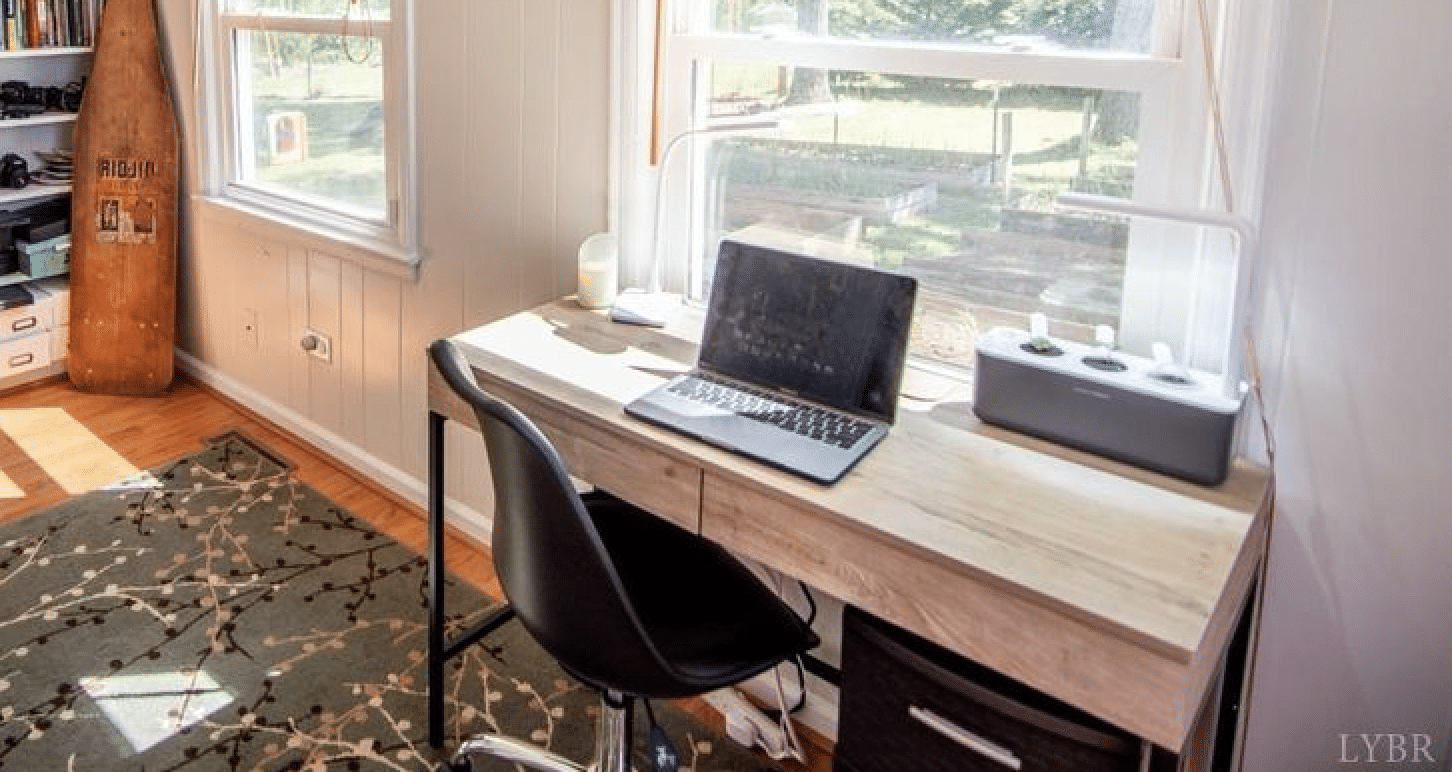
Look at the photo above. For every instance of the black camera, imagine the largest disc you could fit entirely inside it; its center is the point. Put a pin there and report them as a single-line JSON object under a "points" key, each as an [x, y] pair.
{"points": [[70, 98], [21, 98], [18, 92], [14, 171]]}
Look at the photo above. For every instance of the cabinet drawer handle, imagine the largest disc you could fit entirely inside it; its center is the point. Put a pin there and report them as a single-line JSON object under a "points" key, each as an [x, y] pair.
{"points": [[965, 738], [999, 703], [21, 360], [24, 324]]}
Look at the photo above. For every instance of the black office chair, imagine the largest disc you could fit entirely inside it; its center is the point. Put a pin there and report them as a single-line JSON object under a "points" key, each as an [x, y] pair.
{"points": [[626, 602]]}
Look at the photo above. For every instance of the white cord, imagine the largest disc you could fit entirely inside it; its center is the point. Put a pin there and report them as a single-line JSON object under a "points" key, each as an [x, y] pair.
{"points": [[788, 727], [367, 31], [1212, 83], [1251, 356]]}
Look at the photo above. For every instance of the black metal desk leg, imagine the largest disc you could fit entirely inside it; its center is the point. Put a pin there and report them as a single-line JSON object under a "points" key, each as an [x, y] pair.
{"points": [[436, 580]]}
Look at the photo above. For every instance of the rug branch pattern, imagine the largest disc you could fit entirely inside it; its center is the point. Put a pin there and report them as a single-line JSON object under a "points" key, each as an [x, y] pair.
{"points": [[217, 614]]}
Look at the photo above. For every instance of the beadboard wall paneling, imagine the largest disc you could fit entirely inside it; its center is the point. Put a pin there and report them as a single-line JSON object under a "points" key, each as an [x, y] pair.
{"points": [[382, 308], [324, 314], [512, 105], [349, 358], [539, 128]]}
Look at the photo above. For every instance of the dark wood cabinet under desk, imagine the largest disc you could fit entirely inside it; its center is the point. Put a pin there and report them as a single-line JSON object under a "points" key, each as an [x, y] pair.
{"points": [[910, 705]]}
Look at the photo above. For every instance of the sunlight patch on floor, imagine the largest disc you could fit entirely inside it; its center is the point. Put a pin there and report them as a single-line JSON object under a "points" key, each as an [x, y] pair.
{"points": [[75, 458], [8, 488], [150, 707]]}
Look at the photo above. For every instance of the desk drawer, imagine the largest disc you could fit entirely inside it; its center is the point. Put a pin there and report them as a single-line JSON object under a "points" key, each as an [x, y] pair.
{"points": [[910, 706]]}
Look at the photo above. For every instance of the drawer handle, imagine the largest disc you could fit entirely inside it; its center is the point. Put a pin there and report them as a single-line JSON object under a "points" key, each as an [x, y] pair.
{"points": [[1072, 730], [965, 738], [24, 324], [21, 360]]}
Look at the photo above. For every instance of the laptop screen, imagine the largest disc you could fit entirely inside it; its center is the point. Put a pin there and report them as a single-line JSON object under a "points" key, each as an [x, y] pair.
{"points": [[832, 332]]}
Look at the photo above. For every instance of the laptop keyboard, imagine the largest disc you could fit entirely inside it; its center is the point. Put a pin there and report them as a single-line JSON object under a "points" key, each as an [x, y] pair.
{"points": [[805, 419]]}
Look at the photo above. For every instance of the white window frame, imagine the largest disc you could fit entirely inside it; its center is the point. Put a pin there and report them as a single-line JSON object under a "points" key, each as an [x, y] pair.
{"points": [[225, 107], [1176, 155]]}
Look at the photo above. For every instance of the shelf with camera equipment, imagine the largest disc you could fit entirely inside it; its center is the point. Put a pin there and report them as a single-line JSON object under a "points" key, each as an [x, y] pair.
{"points": [[37, 127], [41, 85]]}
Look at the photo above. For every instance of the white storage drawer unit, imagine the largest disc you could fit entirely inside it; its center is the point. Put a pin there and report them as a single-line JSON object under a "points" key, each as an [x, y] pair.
{"points": [[35, 336]]}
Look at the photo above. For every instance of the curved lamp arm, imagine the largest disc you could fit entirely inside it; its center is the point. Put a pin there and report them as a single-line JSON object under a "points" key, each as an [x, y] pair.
{"points": [[1248, 241]]}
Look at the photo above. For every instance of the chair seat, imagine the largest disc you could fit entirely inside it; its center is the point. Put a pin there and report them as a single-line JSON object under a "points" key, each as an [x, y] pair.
{"points": [[712, 620]]}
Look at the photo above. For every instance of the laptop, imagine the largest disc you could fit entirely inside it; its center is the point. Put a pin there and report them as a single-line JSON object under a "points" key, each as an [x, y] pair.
{"points": [[800, 363]]}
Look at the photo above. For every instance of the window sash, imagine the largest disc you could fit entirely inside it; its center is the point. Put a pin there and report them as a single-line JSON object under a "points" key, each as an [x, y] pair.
{"points": [[1175, 154], [690, 18], [230, 104], [1088, 69], [317, 25]]}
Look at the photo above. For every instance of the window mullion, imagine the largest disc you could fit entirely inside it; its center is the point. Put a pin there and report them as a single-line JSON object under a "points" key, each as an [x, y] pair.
{"points": [[1163, 261], [398, 137], [312, 25], [1118, 72], [677, 185], [1165, 39], [241, 154]]}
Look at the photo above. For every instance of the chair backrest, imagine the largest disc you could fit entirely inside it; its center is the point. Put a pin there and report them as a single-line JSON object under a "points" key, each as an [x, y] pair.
{"points": [[548, 555]]}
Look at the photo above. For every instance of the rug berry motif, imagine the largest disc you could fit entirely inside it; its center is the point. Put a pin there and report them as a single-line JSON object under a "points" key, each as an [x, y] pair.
{"points": [[217, 614]]}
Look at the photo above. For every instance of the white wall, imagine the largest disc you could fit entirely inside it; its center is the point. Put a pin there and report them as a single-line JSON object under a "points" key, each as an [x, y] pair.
{"points": [[1357, 634], [513, 106]]}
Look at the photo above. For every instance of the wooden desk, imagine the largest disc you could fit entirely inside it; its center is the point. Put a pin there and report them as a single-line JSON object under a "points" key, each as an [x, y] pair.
{"points": [[1111, 588]]}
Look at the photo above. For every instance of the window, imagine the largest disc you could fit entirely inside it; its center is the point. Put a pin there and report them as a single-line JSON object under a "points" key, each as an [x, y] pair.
{"points": [[311, 114], [932, 137]]}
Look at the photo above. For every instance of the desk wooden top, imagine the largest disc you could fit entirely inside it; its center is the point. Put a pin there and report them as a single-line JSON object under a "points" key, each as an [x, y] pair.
{"points": [[1110, 587]]}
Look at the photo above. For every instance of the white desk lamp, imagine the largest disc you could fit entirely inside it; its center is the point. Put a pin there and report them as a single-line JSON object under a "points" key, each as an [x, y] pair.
{"points": [[1245, 260], [651, 307]]}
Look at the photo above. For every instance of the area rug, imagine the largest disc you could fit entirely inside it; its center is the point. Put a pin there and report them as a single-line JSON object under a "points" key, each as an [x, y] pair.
{"points": [[217, 614]]}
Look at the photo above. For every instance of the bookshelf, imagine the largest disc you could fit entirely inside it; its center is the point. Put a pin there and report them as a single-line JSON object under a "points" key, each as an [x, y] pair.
{"points": [[49, 65], [42, 52], [54, 66], [42, 68], [38, 24]]}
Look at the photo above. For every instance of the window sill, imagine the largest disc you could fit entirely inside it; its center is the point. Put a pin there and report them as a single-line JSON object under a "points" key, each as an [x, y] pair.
{"points": [[373, 255]]}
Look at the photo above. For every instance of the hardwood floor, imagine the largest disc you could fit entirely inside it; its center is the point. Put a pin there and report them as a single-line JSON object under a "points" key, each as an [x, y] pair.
{"points": [[149, 431]]}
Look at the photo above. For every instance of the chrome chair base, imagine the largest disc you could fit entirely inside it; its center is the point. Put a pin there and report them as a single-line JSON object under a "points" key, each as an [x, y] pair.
{"points": [[612, 745]]}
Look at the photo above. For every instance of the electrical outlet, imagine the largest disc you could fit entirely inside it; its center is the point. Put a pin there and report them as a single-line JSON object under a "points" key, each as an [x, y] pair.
{"points": [[248, 325], [317, 344]]}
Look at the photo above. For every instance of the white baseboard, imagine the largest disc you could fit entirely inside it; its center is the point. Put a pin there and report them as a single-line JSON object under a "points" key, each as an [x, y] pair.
{"points": [[470, 521]]}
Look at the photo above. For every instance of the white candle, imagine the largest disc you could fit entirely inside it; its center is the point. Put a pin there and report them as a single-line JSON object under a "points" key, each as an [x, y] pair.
{"points": [[599, 268]]}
